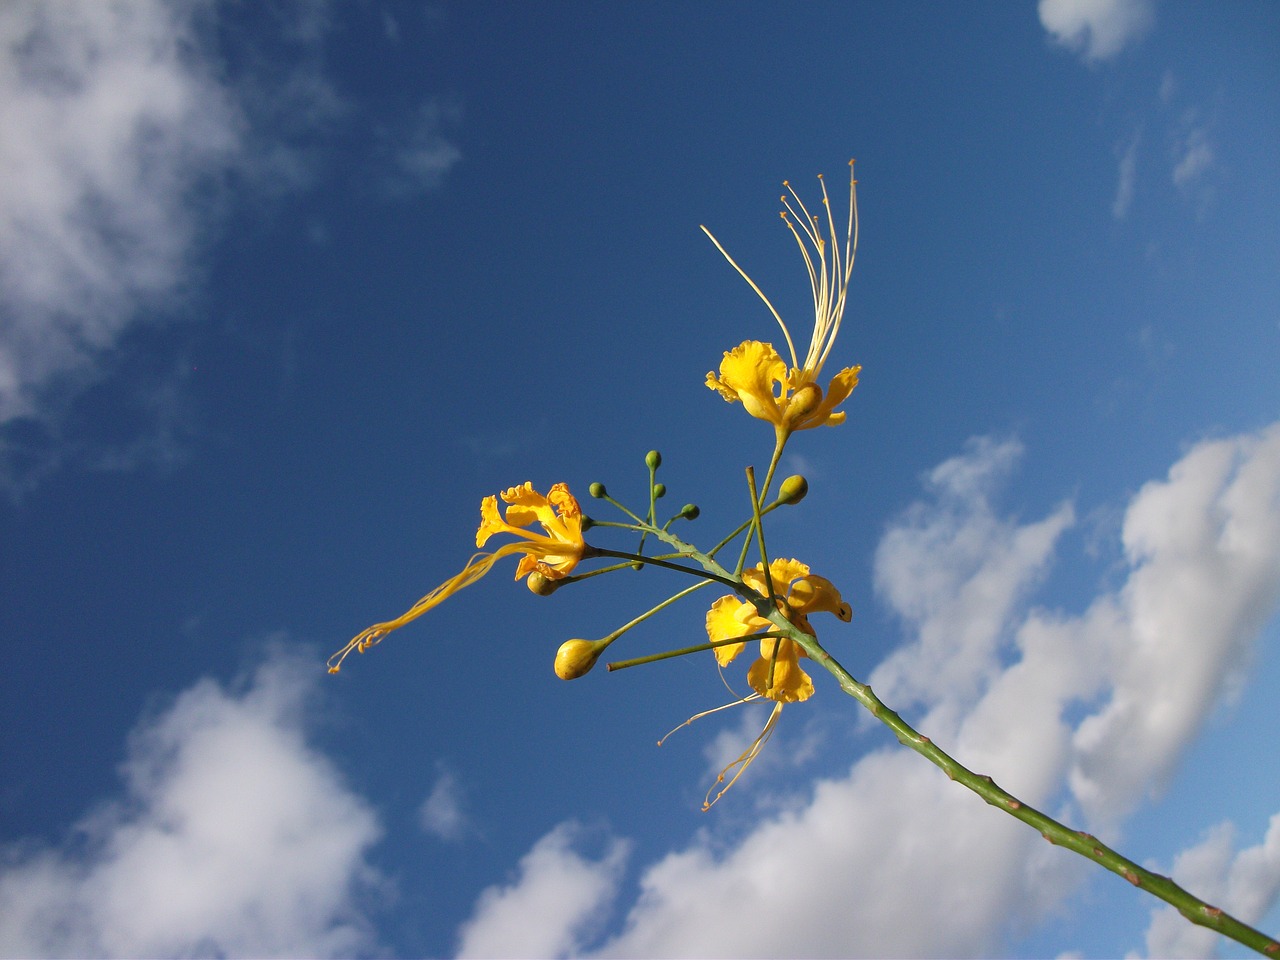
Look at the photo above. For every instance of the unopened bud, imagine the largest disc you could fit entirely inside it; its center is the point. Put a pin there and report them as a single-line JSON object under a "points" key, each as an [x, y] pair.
{"points": [[575, 658], [659, 490], [690, 511], [803, 401], [597, 490], [653, 459], [793, 489], [541, 585]]}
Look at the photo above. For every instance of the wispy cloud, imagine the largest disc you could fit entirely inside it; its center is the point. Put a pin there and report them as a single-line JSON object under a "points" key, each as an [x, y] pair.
{"points": [[1193, 155], [235, 838], [1096, 29], [442, 814], [415, 157], [1126, 178], [1087, 713]]}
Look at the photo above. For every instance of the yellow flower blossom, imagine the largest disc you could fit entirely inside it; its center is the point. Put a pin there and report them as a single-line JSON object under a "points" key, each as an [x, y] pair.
{"points": [[776, 674], [551, 555], [754, 373], [800, 593]]}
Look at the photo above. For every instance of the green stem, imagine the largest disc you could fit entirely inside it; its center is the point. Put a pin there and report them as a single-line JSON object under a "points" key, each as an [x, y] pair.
{"points": [[768, 479], [684, 651], [649, 613], [706, 573]]}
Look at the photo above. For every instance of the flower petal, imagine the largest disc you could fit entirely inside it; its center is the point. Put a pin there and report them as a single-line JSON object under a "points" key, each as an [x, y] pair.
{"points": [[723, 624], [813, 594], [790, 683], [825, 414], [750, 372]]}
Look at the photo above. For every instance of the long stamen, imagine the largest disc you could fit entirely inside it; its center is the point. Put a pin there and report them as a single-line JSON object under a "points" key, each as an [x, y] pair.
{"points": [[850, 252], [706, 713], [745, 760], [760, 293]]}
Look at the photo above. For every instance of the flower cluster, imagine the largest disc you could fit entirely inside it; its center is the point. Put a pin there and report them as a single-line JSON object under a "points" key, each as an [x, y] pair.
{"points": [[771, 603]]}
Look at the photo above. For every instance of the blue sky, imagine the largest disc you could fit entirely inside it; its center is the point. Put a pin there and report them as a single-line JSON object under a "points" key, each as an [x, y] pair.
{"points": [[287, 289]]}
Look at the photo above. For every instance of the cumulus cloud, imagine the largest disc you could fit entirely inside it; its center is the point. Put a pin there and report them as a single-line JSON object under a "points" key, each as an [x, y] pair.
{"points": [[1097, 29], [114, 115], [552, 905], [235, 838], [1071, 712], [1245, 885], [1204, 551]]}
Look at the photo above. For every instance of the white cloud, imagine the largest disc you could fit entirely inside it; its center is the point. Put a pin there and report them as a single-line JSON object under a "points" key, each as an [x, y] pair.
{"points": [[1204, 551], [1193, 156], [954, 571], [113, 116], [893, 859], [234, 838], [1245, 885], [554, 903], [1097, 29], [441, 814], [1126, 179], [126, 130]]}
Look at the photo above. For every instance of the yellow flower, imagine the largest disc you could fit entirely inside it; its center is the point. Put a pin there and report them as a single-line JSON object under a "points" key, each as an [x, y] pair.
{"points": [[776, 675], [551, 555], [755, 373], [799, 594]]}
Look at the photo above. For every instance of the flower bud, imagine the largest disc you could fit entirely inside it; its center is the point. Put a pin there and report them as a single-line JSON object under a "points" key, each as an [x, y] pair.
{"points": [[541, 585], [659, 491], [653, 459], [597, 490], [804, 400], [575, 658], [793, 489], [690, 511]]}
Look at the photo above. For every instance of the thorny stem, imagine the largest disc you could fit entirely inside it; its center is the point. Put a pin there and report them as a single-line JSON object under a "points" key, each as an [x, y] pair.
{"points": [[1086, 845]]}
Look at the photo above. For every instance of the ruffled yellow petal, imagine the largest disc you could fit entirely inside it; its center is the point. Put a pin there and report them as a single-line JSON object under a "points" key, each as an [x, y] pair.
{"points": [[730, 617], [781, 571], [753, 374], [790, 683], [553, 553]]}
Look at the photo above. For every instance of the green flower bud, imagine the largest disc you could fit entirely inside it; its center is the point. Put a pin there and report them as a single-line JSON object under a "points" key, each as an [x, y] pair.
{"points": [[597, 490], [654, 459], [659, 490], [690, 511], [793, 489]]}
